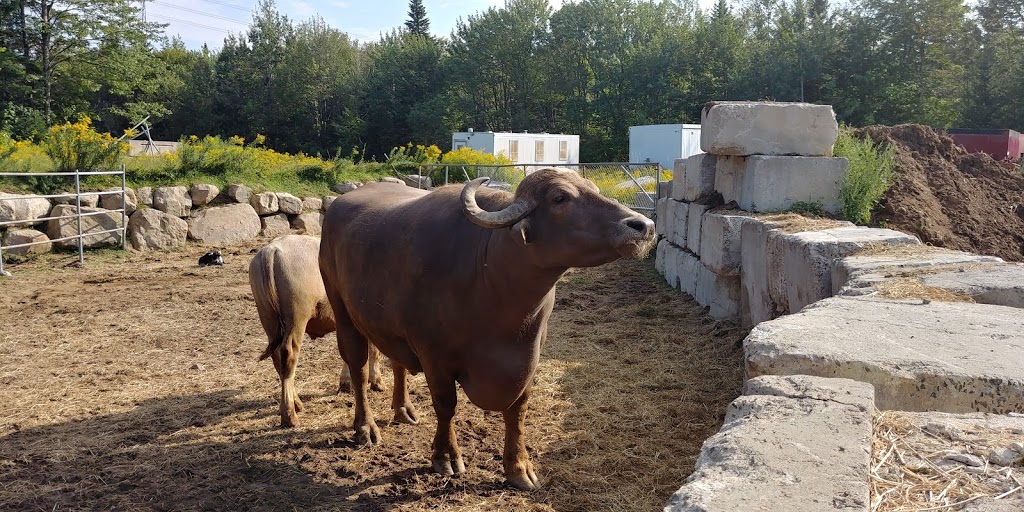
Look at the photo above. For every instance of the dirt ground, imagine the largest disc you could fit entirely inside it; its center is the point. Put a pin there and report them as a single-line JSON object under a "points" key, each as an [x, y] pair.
{"points": [[133, 384], [950, 198]]}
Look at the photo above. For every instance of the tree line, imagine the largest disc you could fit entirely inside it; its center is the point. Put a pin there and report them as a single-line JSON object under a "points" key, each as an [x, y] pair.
{"points": [[592, 67]]}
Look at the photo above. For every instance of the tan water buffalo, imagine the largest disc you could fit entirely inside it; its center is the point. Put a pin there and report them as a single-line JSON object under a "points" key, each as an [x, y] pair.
{"points": [[478, 267], [290, 298]]}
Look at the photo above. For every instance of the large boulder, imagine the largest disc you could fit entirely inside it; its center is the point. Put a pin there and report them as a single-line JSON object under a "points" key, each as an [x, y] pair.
{"points": [[239, 193], [417, 181], [225, 225], [66, 225], [113, 201], [310, 222], [150, 230], [203, 194], [312, 204], [328, 200], [145, 195], [26, 236], [346, 187], [273, 226], [173, 201], [27, 209], [287, 203], [265, 203]]}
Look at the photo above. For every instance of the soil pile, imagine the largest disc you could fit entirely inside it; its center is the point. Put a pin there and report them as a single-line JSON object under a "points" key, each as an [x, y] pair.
{"points": [[949, 197]]}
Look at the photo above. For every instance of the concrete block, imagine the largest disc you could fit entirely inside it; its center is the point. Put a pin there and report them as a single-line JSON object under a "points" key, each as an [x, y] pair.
{"points": [[664, 189], [673, 255], [758, 128], [775, 183], [694, 220], [700, 177], [756, 304], [720, 241], [993, 284], [941, 356], [661, 217], [680, 214], [659, 256], [729, 172], [856, 275], [844, 391], [688, 271], [800, 264], [786, 449], [679, 179], [721, 294]]}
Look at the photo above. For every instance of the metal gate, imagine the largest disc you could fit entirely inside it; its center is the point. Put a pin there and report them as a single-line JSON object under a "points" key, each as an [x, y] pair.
{"points": [[635, 185], [77, 195]]}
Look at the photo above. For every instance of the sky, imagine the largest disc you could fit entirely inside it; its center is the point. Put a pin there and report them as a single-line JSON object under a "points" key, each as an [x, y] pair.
{"points": [[209, 21]]}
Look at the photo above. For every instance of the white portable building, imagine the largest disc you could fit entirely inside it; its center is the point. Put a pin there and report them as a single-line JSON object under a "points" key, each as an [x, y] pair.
{"points": [[523, 148], [663, 143]]}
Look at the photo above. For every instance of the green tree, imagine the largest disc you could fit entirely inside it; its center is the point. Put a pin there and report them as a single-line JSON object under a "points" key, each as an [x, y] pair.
{"points": [[57, 41], [404, 99], [418, 23]]}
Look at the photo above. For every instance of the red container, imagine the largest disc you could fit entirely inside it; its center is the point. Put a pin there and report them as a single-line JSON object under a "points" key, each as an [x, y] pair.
{"points": [[1001, 144]]}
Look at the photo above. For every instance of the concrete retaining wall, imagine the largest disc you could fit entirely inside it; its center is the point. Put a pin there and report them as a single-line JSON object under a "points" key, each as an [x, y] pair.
{"points": [[847, 319]]}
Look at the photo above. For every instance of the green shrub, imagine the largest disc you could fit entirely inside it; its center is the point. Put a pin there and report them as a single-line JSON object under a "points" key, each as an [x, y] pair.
{"points": [[74, 146], [808, 208], [871, 174]]}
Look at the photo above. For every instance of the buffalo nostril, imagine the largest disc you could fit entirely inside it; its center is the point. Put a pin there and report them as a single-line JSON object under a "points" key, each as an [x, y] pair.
{"points": [[638, 224]]}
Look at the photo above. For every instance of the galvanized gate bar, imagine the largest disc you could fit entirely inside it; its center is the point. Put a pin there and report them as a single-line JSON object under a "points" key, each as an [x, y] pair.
{"points": [[78, 194]]}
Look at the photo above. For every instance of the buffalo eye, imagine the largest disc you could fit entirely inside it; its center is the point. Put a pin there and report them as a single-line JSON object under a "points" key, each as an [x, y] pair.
{"points": [[559, 199]]}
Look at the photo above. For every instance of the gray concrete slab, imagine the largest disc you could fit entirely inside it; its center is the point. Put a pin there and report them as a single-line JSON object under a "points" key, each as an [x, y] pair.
{"points": [[994, 284], [950, 357], [800, 444], [800, 264], [741, 128]]}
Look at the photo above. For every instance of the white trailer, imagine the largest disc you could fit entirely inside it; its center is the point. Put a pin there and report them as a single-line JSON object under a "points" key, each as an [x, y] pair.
{"points": [[663, 143], [523, 148]]}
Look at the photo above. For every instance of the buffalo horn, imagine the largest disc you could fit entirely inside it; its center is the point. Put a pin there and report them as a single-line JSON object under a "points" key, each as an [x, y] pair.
{"points": [[510, 215]]}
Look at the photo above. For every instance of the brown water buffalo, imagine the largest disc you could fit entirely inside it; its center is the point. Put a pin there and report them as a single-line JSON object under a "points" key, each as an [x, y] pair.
{"points": [[461, 286], [290, 298]]}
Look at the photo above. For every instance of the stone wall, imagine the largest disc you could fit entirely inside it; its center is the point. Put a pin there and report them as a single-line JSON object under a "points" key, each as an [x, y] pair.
{"points": [[163, 217]]}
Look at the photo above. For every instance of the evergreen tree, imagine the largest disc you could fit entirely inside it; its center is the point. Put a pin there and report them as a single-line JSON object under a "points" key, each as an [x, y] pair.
{"points": [[418, 22]]}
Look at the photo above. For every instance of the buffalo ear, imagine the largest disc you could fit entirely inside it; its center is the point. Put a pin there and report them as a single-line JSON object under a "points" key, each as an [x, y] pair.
{"points": [[523, 228]]}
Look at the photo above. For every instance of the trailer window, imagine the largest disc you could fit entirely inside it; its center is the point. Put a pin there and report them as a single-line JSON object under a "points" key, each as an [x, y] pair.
{"points": [[513, 150], [563, 150], [538, 154]]}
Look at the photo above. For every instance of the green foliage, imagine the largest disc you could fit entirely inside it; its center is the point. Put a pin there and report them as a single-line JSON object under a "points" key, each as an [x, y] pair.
{"points": [[418, 23], [808, 208], [870, 176]]}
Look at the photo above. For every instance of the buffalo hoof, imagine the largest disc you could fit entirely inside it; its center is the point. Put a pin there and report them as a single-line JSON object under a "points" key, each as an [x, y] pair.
{"points": [[376, 385], [368, 434], [523, 478], [406, 415], [343, 385], [445, 467], [289, 420]]}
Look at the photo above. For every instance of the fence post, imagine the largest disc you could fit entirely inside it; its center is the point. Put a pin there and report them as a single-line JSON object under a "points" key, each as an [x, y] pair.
{"points": [[446, 174], [2, 273], [124, 212], [78, 216]]}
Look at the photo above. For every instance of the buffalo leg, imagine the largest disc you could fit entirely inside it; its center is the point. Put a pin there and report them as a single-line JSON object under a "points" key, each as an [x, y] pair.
{"points": [[518, 468], [400, 403], [446, 458], [285, 359], [376, 384], [353, 348]]}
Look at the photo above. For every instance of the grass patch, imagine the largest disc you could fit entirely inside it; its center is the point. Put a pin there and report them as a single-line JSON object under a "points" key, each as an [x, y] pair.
{"points": [[870, 175]]}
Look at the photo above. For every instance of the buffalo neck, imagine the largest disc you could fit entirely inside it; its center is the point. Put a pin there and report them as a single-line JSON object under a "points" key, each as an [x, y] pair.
{"points": [[510, 274]]}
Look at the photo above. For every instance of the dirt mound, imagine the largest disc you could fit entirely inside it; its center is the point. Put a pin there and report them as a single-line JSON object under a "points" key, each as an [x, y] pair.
{"points": [[949, 197]]}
